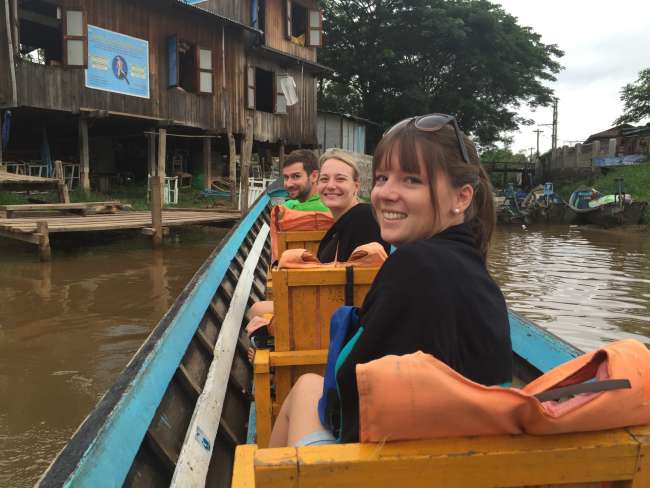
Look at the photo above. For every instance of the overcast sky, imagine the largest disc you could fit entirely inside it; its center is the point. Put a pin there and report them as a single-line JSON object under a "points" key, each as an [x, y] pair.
{"points": [[605, 43]]}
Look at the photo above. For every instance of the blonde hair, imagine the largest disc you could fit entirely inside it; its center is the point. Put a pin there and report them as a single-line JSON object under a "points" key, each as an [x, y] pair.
{"points": [[342, 156]]}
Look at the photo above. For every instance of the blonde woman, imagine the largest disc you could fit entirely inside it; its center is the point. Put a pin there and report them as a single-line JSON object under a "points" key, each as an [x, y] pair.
{"points": [[354, 223]]}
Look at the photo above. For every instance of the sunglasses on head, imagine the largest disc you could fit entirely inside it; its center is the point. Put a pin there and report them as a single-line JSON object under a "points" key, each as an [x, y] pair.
{"points": [[433, 123]]}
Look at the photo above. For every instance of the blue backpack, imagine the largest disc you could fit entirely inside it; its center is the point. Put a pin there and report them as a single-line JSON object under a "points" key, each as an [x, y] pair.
{"points": [[345, 330]]}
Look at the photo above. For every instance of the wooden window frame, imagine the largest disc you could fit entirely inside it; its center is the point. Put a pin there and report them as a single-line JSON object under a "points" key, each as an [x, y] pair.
{"points": [[250, 84], [200, 70], [287, 19], [66, 38], [310, 28]]}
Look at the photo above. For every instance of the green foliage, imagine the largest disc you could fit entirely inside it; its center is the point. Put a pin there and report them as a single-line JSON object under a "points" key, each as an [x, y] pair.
{"points": [[502, 155], [636, 99], [398, 58]]}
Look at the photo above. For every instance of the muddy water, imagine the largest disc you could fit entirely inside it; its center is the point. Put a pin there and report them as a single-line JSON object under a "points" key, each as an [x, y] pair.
{"points": [[587, 286], [67, 328]]}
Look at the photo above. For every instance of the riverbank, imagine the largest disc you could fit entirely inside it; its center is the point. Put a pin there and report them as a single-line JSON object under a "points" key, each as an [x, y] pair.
{"points": [[636, 181]]}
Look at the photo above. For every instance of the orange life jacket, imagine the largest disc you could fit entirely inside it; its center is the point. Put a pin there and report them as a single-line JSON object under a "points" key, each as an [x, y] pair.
{"points": [[432, 400], [368, 255], [286, 219]]}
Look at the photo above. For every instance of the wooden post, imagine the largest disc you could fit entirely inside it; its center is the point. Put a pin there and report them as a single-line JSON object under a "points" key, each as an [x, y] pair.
{"points": [[247, 149], [1, 161], [207, 163], [84, 154], [151, 153], [232, 156], [156, 209], [281, 162], [158, 188], [64, 196], [44, 250]]}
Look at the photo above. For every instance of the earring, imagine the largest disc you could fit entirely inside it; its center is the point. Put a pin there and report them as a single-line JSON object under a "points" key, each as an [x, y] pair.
{"points": [[456, 211]]}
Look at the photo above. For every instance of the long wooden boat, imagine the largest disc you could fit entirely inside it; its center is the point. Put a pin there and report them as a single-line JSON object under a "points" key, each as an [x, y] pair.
{"points": [[181, 406], [621, 210]]}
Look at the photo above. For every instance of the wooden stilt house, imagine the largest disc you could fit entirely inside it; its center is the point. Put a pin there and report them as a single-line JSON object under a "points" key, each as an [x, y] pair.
{"points": [[87, 80]]}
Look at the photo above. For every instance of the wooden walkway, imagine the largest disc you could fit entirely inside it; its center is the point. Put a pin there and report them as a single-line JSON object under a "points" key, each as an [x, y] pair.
{"points": [[12, 181], [36, 230]]}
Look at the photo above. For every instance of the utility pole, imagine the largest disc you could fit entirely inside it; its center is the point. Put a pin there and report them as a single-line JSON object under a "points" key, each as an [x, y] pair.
{"points": [[531, 154], [538, 132], [554, 136]]}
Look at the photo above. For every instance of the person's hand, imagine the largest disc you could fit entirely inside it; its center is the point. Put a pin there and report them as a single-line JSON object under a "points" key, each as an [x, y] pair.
{"points": [[256, 323], [251, 354]]}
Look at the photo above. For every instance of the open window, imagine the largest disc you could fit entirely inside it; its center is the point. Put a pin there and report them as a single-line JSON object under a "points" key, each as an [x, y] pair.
{"points": [[264, 90], [258, 14], [40, 32], [250, 87], [190, 67], [303, 26]]}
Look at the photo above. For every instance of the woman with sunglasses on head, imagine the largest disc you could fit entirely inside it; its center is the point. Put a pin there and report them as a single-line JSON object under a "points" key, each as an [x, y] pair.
{"points": [[434, 202]]}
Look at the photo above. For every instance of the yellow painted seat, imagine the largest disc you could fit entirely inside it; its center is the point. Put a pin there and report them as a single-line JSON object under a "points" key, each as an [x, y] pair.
{"points": [[614, 458], [304, 301]]}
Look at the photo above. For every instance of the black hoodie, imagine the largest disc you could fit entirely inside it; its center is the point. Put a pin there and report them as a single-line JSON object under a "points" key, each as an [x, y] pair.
{"points": [[435, 296]]}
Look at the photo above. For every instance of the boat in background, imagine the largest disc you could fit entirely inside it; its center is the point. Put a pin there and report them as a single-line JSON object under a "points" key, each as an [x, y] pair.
{"points": [[543, 205], [508, 207], [594, 207]]}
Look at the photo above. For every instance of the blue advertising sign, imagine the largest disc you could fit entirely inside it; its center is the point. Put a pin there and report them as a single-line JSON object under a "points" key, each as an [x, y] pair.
{"points": [[117, 63], [548, 188]]}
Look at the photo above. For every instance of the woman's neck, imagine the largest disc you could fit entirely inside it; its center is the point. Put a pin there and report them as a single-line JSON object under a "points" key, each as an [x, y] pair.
{"points": [[338, 213]]}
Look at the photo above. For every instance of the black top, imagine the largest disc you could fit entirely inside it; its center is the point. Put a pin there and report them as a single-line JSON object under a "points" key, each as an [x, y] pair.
{"points": [[354, 228], [435, 296]]}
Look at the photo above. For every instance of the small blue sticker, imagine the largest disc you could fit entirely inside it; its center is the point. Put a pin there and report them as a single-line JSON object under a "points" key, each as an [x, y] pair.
{"points": [[202, 439]]}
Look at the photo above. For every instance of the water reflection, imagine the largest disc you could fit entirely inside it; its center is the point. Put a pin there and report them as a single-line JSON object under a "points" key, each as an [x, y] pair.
{"points": [[587, 286], [68, 327]]}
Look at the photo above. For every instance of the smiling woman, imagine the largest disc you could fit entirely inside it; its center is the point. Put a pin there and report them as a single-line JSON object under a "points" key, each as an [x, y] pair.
{"points": [[354, 222]]}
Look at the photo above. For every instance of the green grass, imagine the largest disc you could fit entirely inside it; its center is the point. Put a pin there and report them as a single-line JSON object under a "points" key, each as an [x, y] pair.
{"points": [[636, 180], [135, 195]]}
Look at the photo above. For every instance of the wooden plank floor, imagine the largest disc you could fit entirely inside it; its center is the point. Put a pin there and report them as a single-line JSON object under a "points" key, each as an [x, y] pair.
{"points": [[117, 221]]}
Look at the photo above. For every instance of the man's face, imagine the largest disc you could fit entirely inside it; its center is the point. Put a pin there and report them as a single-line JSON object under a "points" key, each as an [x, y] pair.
{"points": [[297, 182]]}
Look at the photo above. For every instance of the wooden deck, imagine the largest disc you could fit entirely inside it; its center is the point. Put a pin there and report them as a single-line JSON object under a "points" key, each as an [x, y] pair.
{"points": [[14, 182], [36, 230]]}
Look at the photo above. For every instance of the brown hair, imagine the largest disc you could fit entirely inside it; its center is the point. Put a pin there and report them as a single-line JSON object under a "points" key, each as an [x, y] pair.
{"points": [[305, 156], [342, 156], [439, 151]]}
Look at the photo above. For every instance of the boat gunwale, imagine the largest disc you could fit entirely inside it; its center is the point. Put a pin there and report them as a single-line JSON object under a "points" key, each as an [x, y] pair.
{"points": [[74, 455]]}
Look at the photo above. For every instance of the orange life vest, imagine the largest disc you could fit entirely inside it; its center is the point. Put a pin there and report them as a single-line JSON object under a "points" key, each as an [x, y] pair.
{"points": [[368, 255], [432, 400], [286, 219]]}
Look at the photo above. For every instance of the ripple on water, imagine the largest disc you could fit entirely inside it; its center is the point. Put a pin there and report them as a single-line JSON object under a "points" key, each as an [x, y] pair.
{"points": [[586, 287]]}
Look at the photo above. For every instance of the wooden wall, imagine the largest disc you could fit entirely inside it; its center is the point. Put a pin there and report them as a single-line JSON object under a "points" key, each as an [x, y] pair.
{"points": [[275, 30], [238, 10], [298, 126], [58, 88]]}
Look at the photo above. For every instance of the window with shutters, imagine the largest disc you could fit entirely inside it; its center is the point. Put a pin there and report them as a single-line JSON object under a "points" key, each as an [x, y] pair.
{"points": [[190, 67], [51, 35], [303, 26]]}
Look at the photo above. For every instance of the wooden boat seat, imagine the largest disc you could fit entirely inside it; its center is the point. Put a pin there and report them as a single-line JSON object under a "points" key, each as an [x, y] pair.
{"points": [[618, 458], [304, 301], [296, 239]]}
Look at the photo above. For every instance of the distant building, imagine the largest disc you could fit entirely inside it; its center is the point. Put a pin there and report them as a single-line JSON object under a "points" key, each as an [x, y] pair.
{"points": [[344, 131]]}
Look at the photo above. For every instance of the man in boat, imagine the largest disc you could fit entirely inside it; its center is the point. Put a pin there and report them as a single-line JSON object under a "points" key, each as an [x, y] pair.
{"points": [[300, 175]]}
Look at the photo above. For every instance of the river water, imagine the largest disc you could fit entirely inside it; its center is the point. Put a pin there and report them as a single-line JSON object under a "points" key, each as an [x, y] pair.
{"points": [[67, 328]]}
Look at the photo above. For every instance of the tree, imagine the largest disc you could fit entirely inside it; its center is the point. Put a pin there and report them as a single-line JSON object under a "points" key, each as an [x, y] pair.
{"points": [[397, 58], [636, 99]]}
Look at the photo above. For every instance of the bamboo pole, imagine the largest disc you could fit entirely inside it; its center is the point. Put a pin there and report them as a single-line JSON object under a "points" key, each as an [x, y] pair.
{"points": [[207, 163], [157, 189], [84, 154], [232, 161], [44, 250], [247, 149]]}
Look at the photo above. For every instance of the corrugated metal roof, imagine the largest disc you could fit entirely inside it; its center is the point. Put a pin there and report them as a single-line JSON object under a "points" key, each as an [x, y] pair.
{"points": [[214, 14], [274, 53], [350, 116]]}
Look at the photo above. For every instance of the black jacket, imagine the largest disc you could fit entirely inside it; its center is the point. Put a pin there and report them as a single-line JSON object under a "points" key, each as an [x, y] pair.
{"points": [[436, 296], [354, 228]]}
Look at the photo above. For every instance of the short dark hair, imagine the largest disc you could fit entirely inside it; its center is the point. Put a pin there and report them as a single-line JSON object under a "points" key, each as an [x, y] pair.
{"points": [[306, 157]]}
